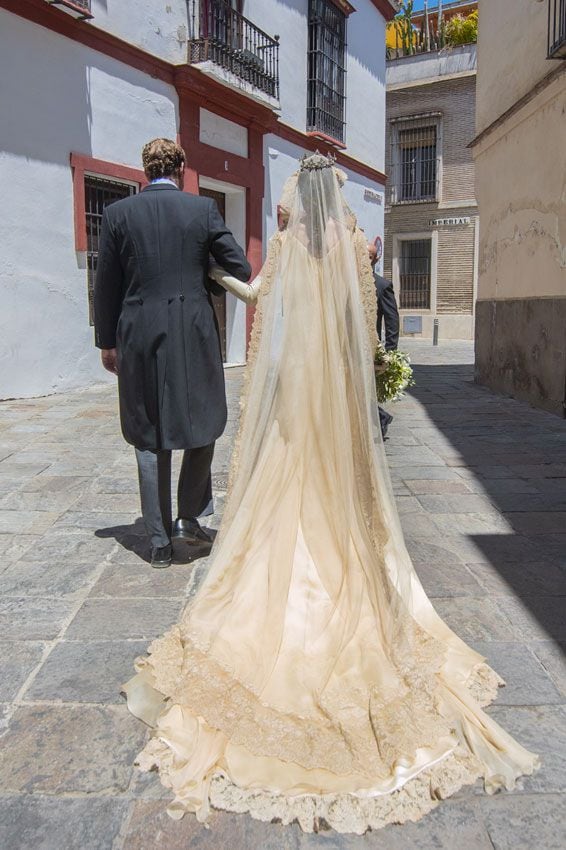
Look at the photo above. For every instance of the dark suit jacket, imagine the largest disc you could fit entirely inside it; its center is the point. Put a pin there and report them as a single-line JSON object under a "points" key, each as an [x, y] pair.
{"points": [[387, 312], [152, 302]]}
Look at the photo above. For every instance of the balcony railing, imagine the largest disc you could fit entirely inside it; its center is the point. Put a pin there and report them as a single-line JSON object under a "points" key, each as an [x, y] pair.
{"points": [[557, 29], [223, 36], [78, 8]]}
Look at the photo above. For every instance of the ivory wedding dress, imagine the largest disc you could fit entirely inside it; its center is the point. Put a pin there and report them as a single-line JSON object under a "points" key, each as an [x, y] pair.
{"points": [[310, 677]]}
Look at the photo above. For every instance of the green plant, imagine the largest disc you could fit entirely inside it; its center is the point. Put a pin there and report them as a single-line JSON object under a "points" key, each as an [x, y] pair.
{"points": [[404, 28], [462, 30]]}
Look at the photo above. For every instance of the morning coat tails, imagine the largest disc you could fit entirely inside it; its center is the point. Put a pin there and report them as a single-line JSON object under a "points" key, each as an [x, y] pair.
{"points": [[152, 303]]}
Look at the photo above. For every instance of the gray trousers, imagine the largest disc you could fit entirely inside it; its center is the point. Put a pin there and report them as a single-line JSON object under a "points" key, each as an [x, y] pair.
{"points": [[194, 492]]}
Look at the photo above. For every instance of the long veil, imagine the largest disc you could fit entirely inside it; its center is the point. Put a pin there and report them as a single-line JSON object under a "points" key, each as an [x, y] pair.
{"points": [[310, 676]]}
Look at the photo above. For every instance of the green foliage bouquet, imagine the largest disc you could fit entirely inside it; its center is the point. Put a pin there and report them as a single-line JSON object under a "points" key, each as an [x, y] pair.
{"points": [[393, 374]]}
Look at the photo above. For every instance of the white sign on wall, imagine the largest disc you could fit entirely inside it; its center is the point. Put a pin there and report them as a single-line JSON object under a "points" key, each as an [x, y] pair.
{"points": [[371, 195], [449, 222]]}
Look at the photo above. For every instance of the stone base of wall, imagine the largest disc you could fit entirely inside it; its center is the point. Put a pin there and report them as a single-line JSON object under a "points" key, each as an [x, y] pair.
{"points": [[521, 350]]}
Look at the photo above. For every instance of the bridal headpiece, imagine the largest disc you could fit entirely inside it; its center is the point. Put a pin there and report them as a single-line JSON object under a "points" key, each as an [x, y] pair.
{"points": [[316, 161]]}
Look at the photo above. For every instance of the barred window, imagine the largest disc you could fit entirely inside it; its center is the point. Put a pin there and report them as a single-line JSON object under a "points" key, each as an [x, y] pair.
{"points": [[78, 8], [414, 160], [326, 94], [414, 274], [99, 192]]}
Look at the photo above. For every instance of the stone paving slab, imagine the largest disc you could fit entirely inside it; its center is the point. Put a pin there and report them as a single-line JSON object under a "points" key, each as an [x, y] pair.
{"points": [[480, 482], [537, 821], [523, 579], [24, 618], [17, 661], [527, 680], [112, 619], [56, 823], [57, 578], [65, 749], [552, 656], [86, 671], [135, 579], [541, 729]]}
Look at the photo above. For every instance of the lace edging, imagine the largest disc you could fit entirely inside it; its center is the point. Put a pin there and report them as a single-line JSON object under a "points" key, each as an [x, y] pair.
{"points": [[346, 813]]}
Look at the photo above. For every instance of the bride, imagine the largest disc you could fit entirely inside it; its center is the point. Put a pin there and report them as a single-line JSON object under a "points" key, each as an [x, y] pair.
{"points": [[310, 678]]}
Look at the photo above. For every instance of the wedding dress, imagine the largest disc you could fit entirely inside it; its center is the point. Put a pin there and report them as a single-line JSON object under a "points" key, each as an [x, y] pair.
{"points": [[310, 678]]}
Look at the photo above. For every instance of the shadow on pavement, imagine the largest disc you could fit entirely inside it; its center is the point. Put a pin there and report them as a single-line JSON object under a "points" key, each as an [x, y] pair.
{"points": [[513, 457], [133, 538]]}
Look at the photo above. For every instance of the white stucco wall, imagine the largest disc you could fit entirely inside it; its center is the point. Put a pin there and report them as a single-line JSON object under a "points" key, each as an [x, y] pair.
{"points": [[512, 47], [365, 66], [221, 133], [288, 20], [158, 26], [365, 85], [281, 160], [61, 97]]}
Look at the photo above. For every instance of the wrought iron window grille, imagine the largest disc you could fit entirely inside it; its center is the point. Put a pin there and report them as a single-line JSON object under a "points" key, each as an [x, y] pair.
{"points": [[78, 8], [557, 29], [415, 160], [99, 192], [326, 85], [222, 35], [415, 274]]}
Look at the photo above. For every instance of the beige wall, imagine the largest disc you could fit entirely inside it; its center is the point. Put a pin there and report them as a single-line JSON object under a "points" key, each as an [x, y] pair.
{"points": [[521, 192], [512, 47]]}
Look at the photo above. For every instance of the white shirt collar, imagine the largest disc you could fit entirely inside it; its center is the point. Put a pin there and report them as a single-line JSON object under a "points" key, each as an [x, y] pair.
{"points": [[164, 180]]}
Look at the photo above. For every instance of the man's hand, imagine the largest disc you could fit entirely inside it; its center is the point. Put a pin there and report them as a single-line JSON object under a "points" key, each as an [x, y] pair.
{"points": [[110, 359]]}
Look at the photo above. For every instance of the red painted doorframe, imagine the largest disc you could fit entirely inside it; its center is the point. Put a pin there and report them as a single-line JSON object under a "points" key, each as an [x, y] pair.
{"points": [[247, 172]]}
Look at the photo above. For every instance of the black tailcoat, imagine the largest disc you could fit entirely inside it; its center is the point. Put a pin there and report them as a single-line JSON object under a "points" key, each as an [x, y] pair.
{"points": [[387, 312], [152, 302]]}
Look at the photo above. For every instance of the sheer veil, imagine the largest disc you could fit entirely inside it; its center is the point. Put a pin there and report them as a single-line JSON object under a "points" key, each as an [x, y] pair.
{"points": [[310, 675]]}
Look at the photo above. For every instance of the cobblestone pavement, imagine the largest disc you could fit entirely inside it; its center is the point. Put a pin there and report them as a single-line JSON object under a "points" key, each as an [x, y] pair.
{"points": [[481, 486]]}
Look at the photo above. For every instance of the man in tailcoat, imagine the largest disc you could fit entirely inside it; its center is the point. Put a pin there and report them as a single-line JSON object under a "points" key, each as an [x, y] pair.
{"points": [[388, 315], [156, 328]]}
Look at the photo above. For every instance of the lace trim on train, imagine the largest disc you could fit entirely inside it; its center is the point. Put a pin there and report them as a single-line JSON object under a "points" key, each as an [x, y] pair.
{"points": [[346, 813], [372, 736]]}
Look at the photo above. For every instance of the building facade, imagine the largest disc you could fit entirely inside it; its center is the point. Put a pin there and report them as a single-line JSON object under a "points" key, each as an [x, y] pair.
{"points": [[245, 86], [520, 161], [431, 215]]}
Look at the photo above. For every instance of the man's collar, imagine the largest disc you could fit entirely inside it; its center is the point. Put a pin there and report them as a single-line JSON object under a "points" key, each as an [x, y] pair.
{"points": [[159, 180]]}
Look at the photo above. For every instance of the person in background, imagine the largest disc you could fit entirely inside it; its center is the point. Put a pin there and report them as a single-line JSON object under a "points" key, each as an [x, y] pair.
{"points": [[388, 315]]}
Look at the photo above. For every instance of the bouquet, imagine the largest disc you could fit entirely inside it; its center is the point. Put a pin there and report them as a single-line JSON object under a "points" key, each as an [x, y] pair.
{"points": [[393, 374]]}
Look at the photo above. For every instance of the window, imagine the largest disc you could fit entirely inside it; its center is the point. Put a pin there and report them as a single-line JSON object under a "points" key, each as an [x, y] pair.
{"points": [[78, 8], [222, 35], [415, 160], [414, 274], [557, 29], [98, 193], [326, 94]]}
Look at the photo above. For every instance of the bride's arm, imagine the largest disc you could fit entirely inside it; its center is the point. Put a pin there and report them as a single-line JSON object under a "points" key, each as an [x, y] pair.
{"points": [[247, 292]]}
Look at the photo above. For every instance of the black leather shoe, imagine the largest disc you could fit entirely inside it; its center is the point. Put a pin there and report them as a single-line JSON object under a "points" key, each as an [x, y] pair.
{"points": [[161, 557], [385, 420], [189, 529]]}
